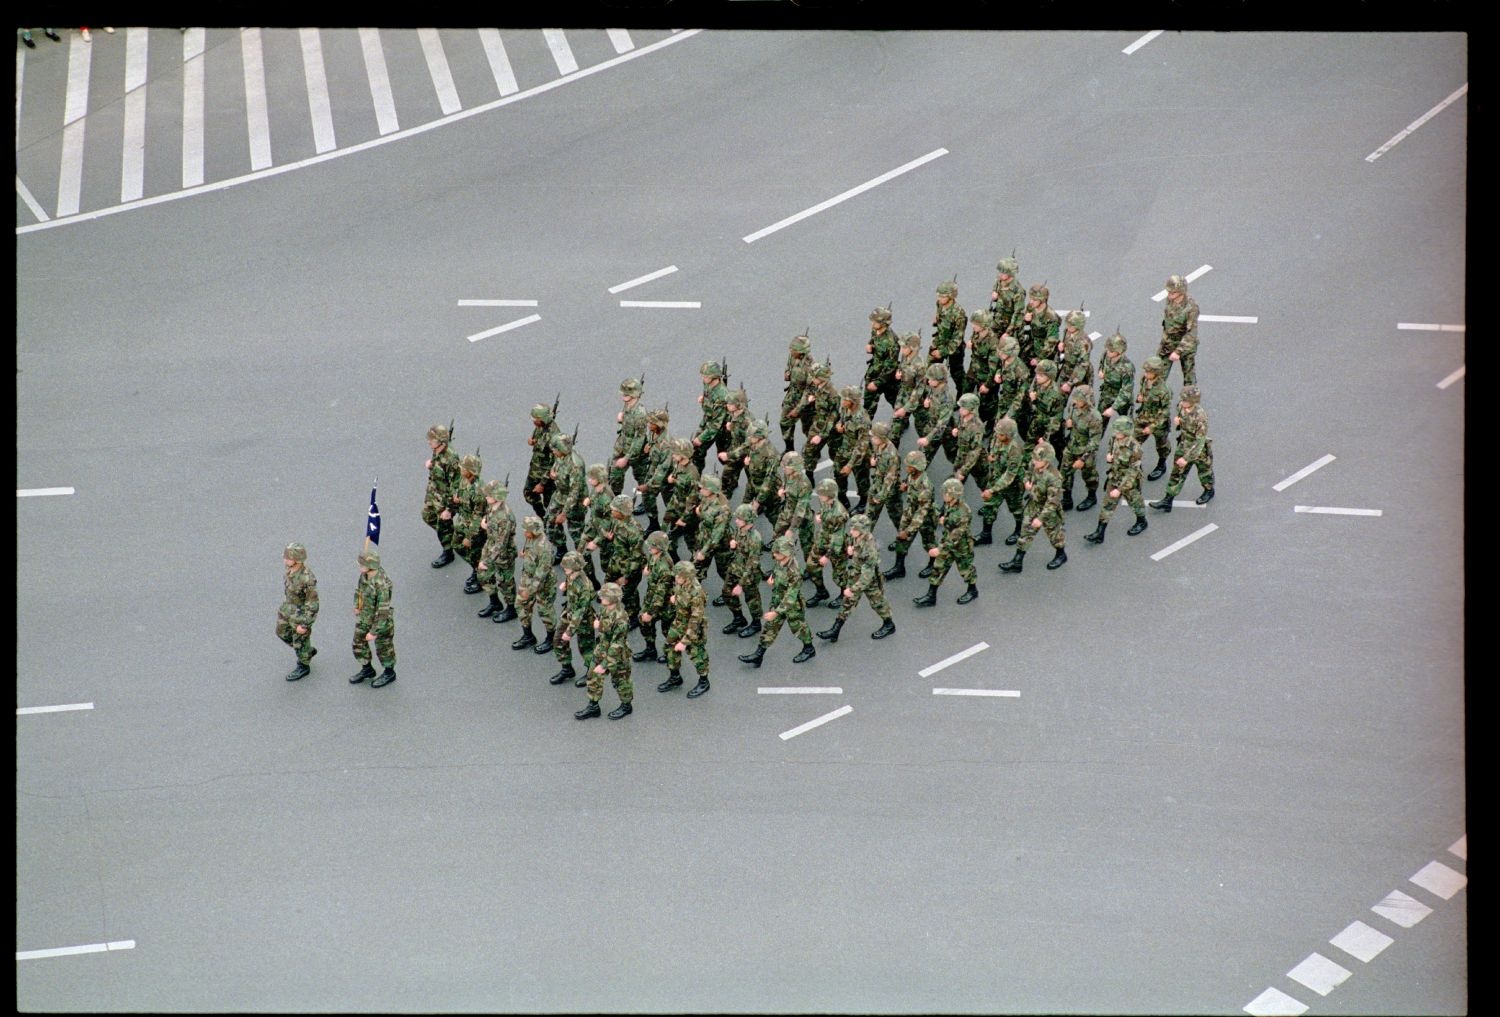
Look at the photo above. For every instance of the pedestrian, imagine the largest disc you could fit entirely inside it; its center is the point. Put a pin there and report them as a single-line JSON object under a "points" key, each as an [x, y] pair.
{"points": [[795, 408], [497, 565], [622, 554], [468, 506], [534, 586], [862, 574], [374, 621], [911, 376], [1043, 509], [565, 509], [969, 439], [576, 622], [956, 547], [1116, 380], [795, 494], [828, 543], [689, 632], [1195, 450], [851, 453], [630, 439], [680, 516], [762, 472], [538, 482], [934, 417], [1012, 382], [949, 323], [656, 602], [1153, 407], [658, 464], [885, 475], [299, 609], [1084, 428], [916, 515], [611, 656], [1005, 465], [821, 429], [711, 541], [1007, 299], [1179, 330], [1039, 326], [596, 515], [736, 441], [1123, 480], [1047, 406], [744, 572], [785, 605], [715, 413], [442, 479], [1075, 351], [984, 364], [880, 369]]}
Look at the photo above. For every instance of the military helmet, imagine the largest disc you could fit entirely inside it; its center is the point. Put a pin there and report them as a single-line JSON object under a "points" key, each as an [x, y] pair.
{"points": [[1075, 319], [800, 344], [1047, 367], [610, 592], [572, 562], [682, 447], [532, 526], [684, 570], [745, 513], [849, 394], [370, 558], [881, 314], [1156, 365], [1010, 346], [937, 372], [620, 505], [911, 339], [736, 398], [470, 463], [1039, 292], [1008, 267], [1122, 427], [657, 540], [859, 521], [541, 414], [947, 289], [1006, 426], [631, 387], [982, 318], [711, 369], [438, 433], [658, 417], [1044, 450], [597, 471], [1082, 394], [295, 551], [968, 401], [827, 488], [494, 489], [710, 482], [1189, 394], [1115, 343], [881, 429], [783, 545], [953, 488], [759, 431], [790, 460], [820, 369], [916, 459], [1176, 284], [561, 444]]}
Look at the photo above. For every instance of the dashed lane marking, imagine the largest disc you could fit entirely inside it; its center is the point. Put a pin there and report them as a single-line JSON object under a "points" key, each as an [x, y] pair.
{"points": [[22, 711], [1460, 847], [68, 951], [70, 175], [826, 464], [1185, 541], [257, 116], [562, 53], [1311, 467], [438, 70], [497, 303], [192, 108], [977, 692], [799, 690], [638, 280], [1326, 510], [505, 328], [41, 492], [1141, 42], [846, 195], [320, 108], [661, 303], [1401, 135], [1410, 326], [133, 153], [1232, 319], [494, 51], [31, 202], [1361, 942], [928, 672], [816, 722], [1451, 378], [1402, 909], [1275, 1003], [1319, 974], [1195, 273], [380, 81], [1440, 880], [620, 39]]}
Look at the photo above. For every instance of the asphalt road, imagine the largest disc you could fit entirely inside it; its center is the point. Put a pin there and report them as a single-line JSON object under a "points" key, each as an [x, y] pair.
{"points": [[1217, 761]]}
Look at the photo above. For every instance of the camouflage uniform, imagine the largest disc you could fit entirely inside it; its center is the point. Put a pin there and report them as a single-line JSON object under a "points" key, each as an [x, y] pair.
{"points": [[658, 464], [934, 417], [1153, 405], [630, 440], [984, 362], [744, 569], [1008, 299], [595, 502], [1038, 336], [949, 323], [539, 483], [576, 623], [911, 370], [885, 475], [1085, 428], [794, 404], [880, 371], [534, 586], [611, 656], [969, 456], [916, 513], [785, 604], [497, 565], [851, 454], [711, 545], [862, 578], [468, 512], [711, 431], [1123, 482], [762, 472], [566, 503], [1012, 382], [442, 478], [1194, 448], [831, 518], [1005, 463], [373, 613], [1116, 380], [689, 627], [957, 547], [680, 518], [1047, 406], [1075, 351], [824, 399], [655, 603], [796, 496], [1179, 329], [299, 606], [622, 553], [736, 441], [1044, 504]]}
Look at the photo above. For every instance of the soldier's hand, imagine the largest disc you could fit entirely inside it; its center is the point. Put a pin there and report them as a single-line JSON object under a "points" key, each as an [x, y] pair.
{"points": [[598, 668], [1177, 421], [645, 617], [899, 411], [816, 439], [1026, 316], [700, 400], [738, 591], [994, 294], [429, 464], [844, 470], [1181, 461], [823, 559], [1068, 422], [1036, 524], [565, 637], [958, 476], [302, 629], [1173, 356], [1110, 412], [985, 494], [848, 592], [1033, 361], [536, 489], [610, 534], [1077, 464], [997, 377], [672, 598], [561, 587], [1067, 387], [984, 390], [1028, 484], [746, 460], [591, 546], [467, 542], [445, 514], [596, 623], [901, 535], [1109, 457], [680, 647], [922, 442], [1031, 395], [953, 431], [755, 505], [781, 492], [552, 474], [369, 637], [870, 387], [1146, 429], [1114, 492]]}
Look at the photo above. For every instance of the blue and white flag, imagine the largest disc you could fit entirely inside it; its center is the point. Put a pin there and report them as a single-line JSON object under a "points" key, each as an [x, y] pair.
{"points": [[372, 527]]}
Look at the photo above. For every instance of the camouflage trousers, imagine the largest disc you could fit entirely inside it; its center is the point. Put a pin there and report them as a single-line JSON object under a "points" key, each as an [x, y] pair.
{"points": [[498, 576], [1130, 491], [928, 532], [861, 473], [948, 556], [640, 469], [719, 443], [956, 370], [813, 571], [688, 531], [1090, 471], [541, 599], [444, 527], [886, 389], [1010, 495], [538, 502], [795, 618], [630, 587], [1052, 522], [890, 506], [875, 593], [729, 476], [752, 600], [1204, 465], [696, 650], [792, 415], [574, 527], [563, 651], [617, 666], [1158, 435], [472, 553], [286, 631], [1189, 372], [384, 643]]}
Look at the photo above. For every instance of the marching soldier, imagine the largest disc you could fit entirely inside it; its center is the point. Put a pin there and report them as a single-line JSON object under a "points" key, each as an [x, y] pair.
{"points": [[984, 364], [689, 631], [880, 371], [1043, 509], [1153, 406], [885, 475], [497, 565], [1123, 481], [956, 548], [622, 554], [828, 544], [596, 502], [565, 508], [539, 483], [1005, 463], [851, 453], [576, 622], [824, 400], [374, 621], [680, 516], [1039, 326], [468, 512], [736, 442], [762, 472], [1085, 427], [949, 323], [658, 453], [299, 609], [1195, 449], [442, 478], [911, 379], [863, 577], [611, 656], [1007, 299], [969, 439], [744, 571], [1179, 330], [534, 586], [711, 542], [916, 515], [1012, 382], [714, 398], [656, 604], [1075, 351], [795, 493], [630, 439], [1047, 406], [785, 581], [1116, 380], [794, 405], [934, 418]]}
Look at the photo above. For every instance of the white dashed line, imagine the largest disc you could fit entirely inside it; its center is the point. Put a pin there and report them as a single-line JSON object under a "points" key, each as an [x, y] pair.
{"points": [[505, 328], [22, 711], [845, 196], [68, 951], [31, 202], [799, 690], [1141, 42], [562, 53], [1402, 909], [1185, 541], [1195, 273], [1232, 319], [620, 39], [648, 277], [1289, 481], [1408, 326], [1451, 378], [818, 722], [133, 153], [928, 672], [661, 303], [380, 81], [1460, 847], [41, 492], [192, 108], [1275, 1003], [439, 71], [257, 116], [1325, 510], [1440, 880], [1319, 974], [1416, 123], [320, 109], [826, 464], [494, 51], [70, 175], [976, 692], [1095, 335], [497, 303], [1361, 942]]}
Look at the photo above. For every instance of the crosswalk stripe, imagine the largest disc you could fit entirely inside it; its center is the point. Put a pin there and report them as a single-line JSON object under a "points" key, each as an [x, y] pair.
{"points": [[437, 66], [621, 40], [317, 90], [562, 53], [257, 119], [133, 156], [20, 77], [192, 106], [494, 49], [70, 174], [380, 81], [31, 202]]}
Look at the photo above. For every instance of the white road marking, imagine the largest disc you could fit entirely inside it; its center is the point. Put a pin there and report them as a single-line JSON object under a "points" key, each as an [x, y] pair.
{"points": [[661, 303], [562, 53], [648, 277], [1319, 974], [852, 192], [1460, 847], [620, 39], [1233, 319], [928, 672], [1405, 911], [68, 951], [505, 328], [23, 710], [70, 175], [314, 160], [976, 692], [818, 722], [41, 492], [31, 202], [380, 81], [192, 106], [1141, 42], [803, 690], [318, 103], [494, 50], [1325, 510], [1451, 378], [1185, 541], [1095, 335], [1416, 123], [257, 118], [437, 67], [20, 75], [1413, 326], [497, 303], [1440, 880], [826, 464], [1275, 1003], [1361, 942], [1184, 505], [133, 155], [1195, 273], [1289, 481]]}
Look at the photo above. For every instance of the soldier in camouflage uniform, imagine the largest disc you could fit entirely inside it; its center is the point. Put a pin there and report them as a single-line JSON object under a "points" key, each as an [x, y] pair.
{"points": [[736, 441], [969, 440], [715, 396], [785, 581], [916, 515], [576, 622], [596, 501], [497, 565], [1085, 428], [539, 482], [622, 554], [711, 543], [656, 604], [862, 576], [1075, 351], [658, 453], [689, 630], [630, 439], [851, 453], [984, 363], [1153, 407], [1179, 330], [934, 418], [1194, 449], [795, 493], [1043, 509], [885, 475], [680, 517], [957, 547], [1012, 383], [1047, 406], [1039, 327], [299, 608], [911, 379], [468, 512], [566, 504], [794, 405], [534, 586], [1123, 481], [611, 656], [744, 570], [824, 399], [949, 323], [762, 472], [442, 478], [880, 371], [1116, 380], [828, 544], [374, 621], [1007, 299], [1005, 463]]}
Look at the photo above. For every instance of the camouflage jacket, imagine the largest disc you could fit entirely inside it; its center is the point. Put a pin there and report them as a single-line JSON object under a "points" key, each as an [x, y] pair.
{"points": [[713, 524], [744, 561], [442, 479], [948, 327], [737, 442], [884, 354], [689, 615], [1116, 385], [916, 507], [1125, 466], [468, 510], [984, 360], [372, 603], [682, 496], [1038, 337], [1046, 412], [536, 568], [597, 506], [795, 376], [1015, 379], [622, 548], [1179, 326], [795, 503], [1155, 403], [658, 572], [1074, 363], [1084, 431], [299, 602], [1045, 496], [541, 455], [863, 565], [760, 474], [885, 474], [832, 531], [786, 589], [1009, 308], [577, 614], [611, 626], [853, 446], [934, 417], [971, 443], [658, 464], [567, 496], [500, 535], [1007, 463], [715, 412], [1192, 433], [913, 382], [825, 413], [630, 440], [957, 521]]}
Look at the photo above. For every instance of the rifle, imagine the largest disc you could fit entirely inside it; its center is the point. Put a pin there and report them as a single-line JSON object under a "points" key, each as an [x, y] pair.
{"points": [[724, 370], [449, 442]]}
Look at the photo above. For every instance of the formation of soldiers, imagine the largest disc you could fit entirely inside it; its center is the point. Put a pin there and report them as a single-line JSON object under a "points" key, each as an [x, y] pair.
{"points": [[1011, 397]]}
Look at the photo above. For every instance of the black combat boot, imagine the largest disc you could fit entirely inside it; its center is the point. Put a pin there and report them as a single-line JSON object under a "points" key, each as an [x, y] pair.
{"points": [[891, 546], [756, 657], [557, 555], [735, 624], [719, 600], [365, 672], [566, 673], [471, 585], [1161, 469], [699, 689], [1014, 565], [1164, 503], [808, 653], [299, 672], [1206, 497], [1068, 499], [1058, 559], [818, 597], [623, 710], [582, 679], [1089, 502], [386, 677], [545, 646], [649, 653], [837, 601], [969, 594], [1015, 535], [1140, 524], [898, 570], [661, 658], [509, 614], [886, 628], [673, 680], [928, 599], [528, 638], [492, 607], [639, 510], [1097, 537], [832, 632], [591, 710], [789, 446], [443, 559], [986, 533], [753, 629]]}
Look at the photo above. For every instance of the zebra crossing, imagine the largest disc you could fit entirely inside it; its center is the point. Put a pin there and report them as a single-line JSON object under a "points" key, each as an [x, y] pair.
{"points": [[151, 113]]}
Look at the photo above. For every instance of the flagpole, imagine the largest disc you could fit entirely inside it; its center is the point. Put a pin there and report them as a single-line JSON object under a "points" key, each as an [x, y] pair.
{"points": [[373, 487]]}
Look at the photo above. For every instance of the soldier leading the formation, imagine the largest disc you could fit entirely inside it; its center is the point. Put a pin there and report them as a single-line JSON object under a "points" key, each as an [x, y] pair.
{"points": [[299, 609], [1179, 329], [442, 478], [1122, 482]]}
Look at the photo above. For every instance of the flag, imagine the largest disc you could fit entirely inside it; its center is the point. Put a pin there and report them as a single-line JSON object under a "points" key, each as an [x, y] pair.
{"points": [[372, 527]]}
